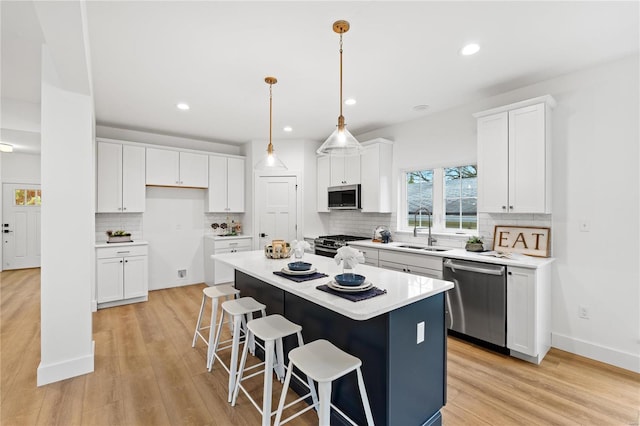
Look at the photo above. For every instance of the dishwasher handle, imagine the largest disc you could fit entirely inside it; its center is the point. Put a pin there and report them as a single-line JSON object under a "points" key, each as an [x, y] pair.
{"points": [[497, 270]]}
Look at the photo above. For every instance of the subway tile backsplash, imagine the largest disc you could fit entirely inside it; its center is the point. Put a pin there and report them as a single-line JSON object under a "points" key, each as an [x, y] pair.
{"points": [[130, 222]]}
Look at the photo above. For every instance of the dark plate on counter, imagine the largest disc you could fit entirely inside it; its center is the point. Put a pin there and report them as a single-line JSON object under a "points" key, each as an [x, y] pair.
{"points": [[299, 266], [352, 280]]}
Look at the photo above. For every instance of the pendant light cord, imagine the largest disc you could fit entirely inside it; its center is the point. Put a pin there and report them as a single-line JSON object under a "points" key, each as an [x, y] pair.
{"points": [[340, 74], [270, 147]]}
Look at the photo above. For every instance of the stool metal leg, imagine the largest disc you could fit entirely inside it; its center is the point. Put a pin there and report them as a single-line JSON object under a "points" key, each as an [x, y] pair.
{"points": [[324, 412], [268, 382], [217, 341], [365, 398], [212, 331], [195, 334], [243, 361], [234, 354]]}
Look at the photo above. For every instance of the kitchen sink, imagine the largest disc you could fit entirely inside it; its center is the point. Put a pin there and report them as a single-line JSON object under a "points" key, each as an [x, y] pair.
{"points": [[422, 248]]}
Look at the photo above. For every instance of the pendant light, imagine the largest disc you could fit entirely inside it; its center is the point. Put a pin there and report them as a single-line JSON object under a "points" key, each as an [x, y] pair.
{"points": [[270, 161], [6, 147], [340, 142]]}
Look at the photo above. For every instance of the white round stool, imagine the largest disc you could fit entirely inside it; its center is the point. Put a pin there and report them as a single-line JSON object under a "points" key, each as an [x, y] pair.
{"points": [[271, 329], [323, 362], [239, 310], [213, 293]]}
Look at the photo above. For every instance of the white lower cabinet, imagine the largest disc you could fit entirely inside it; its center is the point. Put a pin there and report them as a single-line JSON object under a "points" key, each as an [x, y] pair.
{"points": [[419, 264], [121, 275], [528, 312], [217, 272]]}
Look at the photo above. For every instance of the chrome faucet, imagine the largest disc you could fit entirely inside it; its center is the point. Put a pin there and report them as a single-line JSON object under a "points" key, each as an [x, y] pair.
{"points": [[430, 239]]}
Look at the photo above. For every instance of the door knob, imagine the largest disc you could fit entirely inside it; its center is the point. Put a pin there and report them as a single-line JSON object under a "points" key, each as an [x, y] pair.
{"points": [[262, 235], [6, 231]]}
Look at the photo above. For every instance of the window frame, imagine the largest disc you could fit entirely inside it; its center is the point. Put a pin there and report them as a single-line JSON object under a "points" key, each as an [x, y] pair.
{"points": [[438, 215]]}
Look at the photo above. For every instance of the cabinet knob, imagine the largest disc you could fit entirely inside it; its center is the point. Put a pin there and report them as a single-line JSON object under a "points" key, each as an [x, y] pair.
{"points": [[126, 261], [510, 207], [124, 208], [509, 273], [121, 261], [504, 207]]}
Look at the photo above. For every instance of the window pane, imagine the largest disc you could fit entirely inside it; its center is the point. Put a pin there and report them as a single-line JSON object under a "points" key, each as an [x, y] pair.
{"points": [[419, 195], [461, 196], [39, 197], [19, 197], [31, 197]]}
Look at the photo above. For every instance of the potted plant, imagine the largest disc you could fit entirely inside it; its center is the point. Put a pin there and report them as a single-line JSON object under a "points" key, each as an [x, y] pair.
{"points": [[119, 236], [474, 244]]}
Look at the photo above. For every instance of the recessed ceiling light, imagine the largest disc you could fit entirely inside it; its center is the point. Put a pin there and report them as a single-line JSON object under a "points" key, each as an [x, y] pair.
{"points": [[470, 49], [350, 101], [288, 129], [183, 106], [420, 108]]}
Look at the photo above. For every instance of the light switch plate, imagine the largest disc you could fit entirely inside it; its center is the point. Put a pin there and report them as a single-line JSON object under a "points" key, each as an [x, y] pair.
{"points": [[420, 333]]}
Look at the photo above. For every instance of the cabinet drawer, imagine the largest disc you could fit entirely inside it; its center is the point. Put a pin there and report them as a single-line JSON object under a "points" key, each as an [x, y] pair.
{"points": [[122, 251], [420, 260], [412, 269], [233, 243]]}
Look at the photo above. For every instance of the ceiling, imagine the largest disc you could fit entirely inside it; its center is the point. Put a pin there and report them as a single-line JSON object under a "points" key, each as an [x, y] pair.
{"points": [[147, 56]]}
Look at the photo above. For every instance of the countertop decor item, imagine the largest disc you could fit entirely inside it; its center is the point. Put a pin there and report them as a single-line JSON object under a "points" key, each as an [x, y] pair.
{"points": [[119, 236], [529, 240], [278, 249], [270, 161], [299, 248], [474, 244], [341, 142]]}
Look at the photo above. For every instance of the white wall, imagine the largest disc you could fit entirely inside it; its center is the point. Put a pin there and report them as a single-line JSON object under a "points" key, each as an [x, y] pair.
{"points": [[67, 230], [174, 226], [595, 179], [21, 168]]}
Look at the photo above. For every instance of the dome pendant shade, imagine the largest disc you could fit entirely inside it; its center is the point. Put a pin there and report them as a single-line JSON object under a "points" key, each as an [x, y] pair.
{"points": [[270, 162], [340, 143]]}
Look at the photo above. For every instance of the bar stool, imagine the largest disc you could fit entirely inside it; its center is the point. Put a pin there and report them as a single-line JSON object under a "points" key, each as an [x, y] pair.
{"points": [[323, 362], [213, 293], [239, 310], [271, 329]]}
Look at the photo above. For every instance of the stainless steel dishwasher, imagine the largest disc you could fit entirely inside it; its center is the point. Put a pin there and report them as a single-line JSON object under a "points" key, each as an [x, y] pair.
{"points": [[477, 304]]}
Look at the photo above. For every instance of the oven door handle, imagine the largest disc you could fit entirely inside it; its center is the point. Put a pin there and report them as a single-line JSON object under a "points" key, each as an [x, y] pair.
{"points": [[499, 270], [324, 250]]}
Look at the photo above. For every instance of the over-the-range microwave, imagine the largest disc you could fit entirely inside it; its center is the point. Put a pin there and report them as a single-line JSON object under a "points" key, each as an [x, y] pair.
{"points": [[344, 197]]}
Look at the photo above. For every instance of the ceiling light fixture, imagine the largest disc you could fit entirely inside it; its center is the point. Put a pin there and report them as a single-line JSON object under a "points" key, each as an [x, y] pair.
{"points": [[182, 106], [340, 142], [287, 129], [270, 161], [5, 147], [350, 101], [470, 49]]}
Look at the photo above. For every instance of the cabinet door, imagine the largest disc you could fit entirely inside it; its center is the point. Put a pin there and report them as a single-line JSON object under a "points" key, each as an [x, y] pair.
{"points": [[323, 182], [217, 193], [235, 185], [109, 178], [521, 310], [163, 167], [345, 170], [109, 273], [527, 160], [392, 265], [493, 163], [133, 179], [135, 277], [370, 256], [194, 170]]}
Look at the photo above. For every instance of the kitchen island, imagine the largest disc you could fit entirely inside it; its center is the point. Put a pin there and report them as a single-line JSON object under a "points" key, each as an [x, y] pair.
{"points": [[399, 336]]}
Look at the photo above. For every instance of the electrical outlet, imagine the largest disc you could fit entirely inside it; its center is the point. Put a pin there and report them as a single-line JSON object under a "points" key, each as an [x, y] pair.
{"points": [[584, 226], [182, 273], [583, 312], [420, 332]]}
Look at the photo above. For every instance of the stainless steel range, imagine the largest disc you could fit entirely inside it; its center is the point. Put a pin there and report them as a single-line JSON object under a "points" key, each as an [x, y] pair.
{"points": [[328, 245]]}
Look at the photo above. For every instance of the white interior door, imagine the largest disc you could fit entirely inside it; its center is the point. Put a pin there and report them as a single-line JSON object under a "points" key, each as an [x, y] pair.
{"points": [[21, 226], [277, 208]]}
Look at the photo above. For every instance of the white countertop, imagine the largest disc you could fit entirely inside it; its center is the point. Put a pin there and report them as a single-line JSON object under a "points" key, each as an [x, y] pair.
{"points": [[402, 288], [516, 259], [100, 244]]}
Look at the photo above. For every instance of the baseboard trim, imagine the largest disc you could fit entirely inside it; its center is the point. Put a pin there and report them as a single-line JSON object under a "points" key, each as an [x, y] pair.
{"points": [[66, 369], [615, 357]]}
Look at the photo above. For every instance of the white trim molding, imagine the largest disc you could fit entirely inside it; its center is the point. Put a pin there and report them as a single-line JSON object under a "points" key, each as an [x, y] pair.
{"points": [[628, 361], [66, 369]]}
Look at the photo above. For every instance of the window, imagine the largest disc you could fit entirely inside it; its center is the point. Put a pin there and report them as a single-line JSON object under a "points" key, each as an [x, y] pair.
{"points": [[461, 197], [27, 197], [419, 196], [449, 193]]}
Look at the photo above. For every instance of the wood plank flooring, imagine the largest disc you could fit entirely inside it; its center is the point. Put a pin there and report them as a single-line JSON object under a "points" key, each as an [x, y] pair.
{"points": [[147, 373]]}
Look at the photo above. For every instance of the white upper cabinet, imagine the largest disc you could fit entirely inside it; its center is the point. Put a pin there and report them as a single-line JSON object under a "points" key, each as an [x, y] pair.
{"points": [[375, 174], [323, 182], [226, 184], [175, 168], [344, 170], [120, 178], [514, 168]]}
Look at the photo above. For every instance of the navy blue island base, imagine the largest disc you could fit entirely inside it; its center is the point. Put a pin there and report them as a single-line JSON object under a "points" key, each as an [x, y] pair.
{"points": [[405, 380]]}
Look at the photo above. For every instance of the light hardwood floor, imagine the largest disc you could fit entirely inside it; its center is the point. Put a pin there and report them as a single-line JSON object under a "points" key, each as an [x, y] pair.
{"points": [[147, 373]]}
